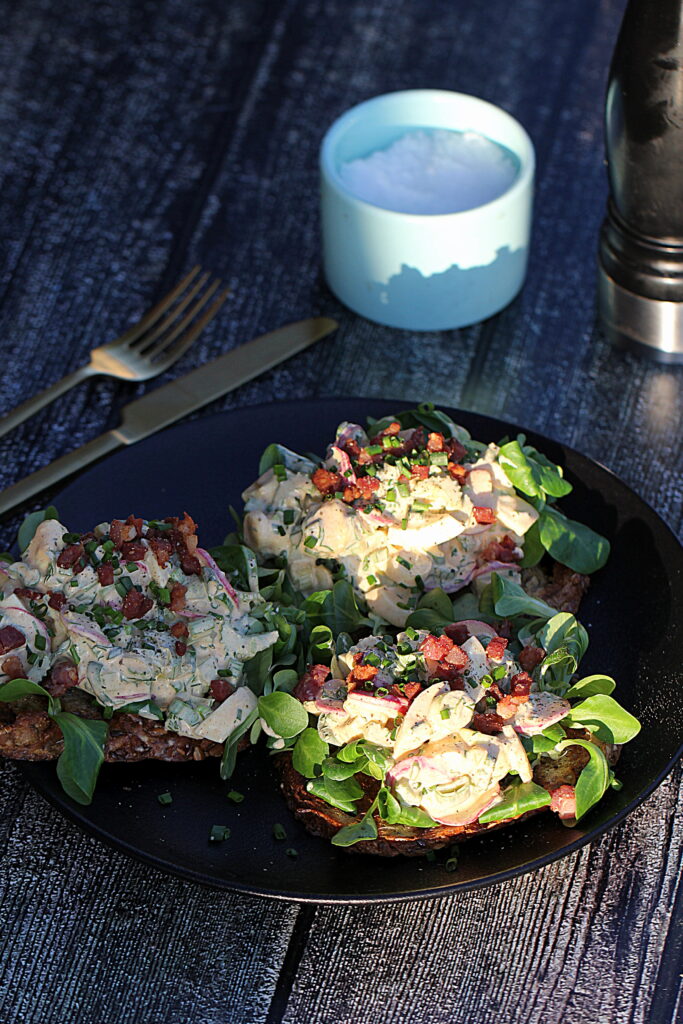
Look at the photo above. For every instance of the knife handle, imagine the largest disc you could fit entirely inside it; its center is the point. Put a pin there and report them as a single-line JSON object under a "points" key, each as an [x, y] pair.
{"points": [[59, 469]]}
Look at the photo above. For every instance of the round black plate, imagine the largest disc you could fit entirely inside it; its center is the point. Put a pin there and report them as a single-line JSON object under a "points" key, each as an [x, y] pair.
{"points": [[630, 612]]}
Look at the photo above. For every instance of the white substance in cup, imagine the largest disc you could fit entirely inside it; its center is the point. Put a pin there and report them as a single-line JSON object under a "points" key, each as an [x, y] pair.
{"points": [[432, 171]]}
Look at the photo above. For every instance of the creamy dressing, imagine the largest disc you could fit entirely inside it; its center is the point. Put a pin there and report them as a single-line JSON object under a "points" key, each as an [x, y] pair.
{"points": [[414, 533]]}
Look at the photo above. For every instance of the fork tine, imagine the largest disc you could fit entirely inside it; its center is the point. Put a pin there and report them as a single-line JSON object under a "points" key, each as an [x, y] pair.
{"points": [[143, 343], [152, 315], [196, 329], [165, 343]]}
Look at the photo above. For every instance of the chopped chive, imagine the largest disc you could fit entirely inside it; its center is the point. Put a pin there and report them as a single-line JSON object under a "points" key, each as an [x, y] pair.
{"points": [[223, 672], [372, 659], [165, 798], [499, 672], [404, 563], [280, 472], [131, 566], [438, 459], [371, 471], [430, 856], [218, 833], [236, 797], [74, 654], [404, 490], [372, 580], [291, 852], [410, 633], [374, 449], [71, 538], [452, 863], [73, 583], [288, 516], [445, 712], [404, 524], [310, 542], [486, 681], [391, 494], [279, 831], [39, 643]]}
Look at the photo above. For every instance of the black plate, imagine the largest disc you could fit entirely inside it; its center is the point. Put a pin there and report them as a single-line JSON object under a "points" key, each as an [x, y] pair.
{"points": [[630, 612]]}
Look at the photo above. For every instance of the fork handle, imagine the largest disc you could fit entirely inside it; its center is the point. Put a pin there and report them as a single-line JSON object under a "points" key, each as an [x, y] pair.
{"points": [[43, 398]]}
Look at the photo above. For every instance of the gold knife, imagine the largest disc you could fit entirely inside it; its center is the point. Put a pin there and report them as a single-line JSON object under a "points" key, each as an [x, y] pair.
{"points": [[176, 399]]}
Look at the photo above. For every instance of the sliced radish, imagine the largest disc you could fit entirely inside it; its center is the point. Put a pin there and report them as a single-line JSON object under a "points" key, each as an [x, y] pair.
{"points": [[539, 712], [206, 558]]}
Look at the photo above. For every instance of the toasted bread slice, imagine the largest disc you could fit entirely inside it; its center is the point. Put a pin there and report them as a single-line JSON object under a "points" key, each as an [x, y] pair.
{"points": [[27, 733]]}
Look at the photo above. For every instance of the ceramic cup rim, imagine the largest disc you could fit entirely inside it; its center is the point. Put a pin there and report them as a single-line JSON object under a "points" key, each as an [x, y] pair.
{"points": [[523, 148]]}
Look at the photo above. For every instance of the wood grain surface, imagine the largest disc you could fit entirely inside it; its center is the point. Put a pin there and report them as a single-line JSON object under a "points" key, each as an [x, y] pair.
{"points": [[141, 136]]}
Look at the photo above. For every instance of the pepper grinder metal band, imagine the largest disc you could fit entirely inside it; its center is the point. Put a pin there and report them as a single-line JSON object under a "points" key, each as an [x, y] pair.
{"points": [[641, 243]]}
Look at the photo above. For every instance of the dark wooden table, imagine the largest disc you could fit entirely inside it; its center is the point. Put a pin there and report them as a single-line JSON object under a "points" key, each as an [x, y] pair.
{"points": [[141, 136]]}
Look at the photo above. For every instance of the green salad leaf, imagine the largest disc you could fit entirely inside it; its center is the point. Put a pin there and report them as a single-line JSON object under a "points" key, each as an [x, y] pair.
{"points": [[229, 756], [283, 714], [342, 793], [310, 750], [590, 685], [594, 778], [31, 523], [336, 608], [518, 799], [531, 472], [79, 763], [571, 543], [605, 718], [509, 600]]}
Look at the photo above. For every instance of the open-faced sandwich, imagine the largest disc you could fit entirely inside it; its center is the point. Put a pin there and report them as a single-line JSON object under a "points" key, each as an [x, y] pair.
{"points": [[417, 741], [414, 503], [138, 640]]}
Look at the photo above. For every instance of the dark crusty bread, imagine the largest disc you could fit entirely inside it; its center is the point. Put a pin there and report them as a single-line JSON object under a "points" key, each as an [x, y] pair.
{"points": [[28, 733]]}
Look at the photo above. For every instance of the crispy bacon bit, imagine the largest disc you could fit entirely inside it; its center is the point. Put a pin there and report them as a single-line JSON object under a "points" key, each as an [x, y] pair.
{"points": [[56, 601], [187, 528], [392, 430], [530, 657], [520, 688], [135, 605], [457, 657], [360, 674], [351, 494], [351, 447], [10, 639], [162, 549], [133, 551], [12, 667], [311, 683], [327, 482], [503, 550], [507, 707], [179, 630], [121, 532], [458, 632], [458, 472], [105, 575], [178, 602], [367, 485], [221, 689], [436, 647], [496, 648], [489, 723], [190, 565], [28, 595], [62, 677], [456, 449], [483, 515], [68, 558], [409, 690], [420, 472], [180, 648], [449, 674], [435, 443], [563, 801]]}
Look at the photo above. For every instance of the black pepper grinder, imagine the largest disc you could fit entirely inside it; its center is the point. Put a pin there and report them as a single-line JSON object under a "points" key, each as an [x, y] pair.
{"points": [[641, 242]]}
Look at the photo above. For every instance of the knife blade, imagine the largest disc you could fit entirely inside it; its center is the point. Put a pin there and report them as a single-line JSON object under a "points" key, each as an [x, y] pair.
{"points": [[169, 403]]}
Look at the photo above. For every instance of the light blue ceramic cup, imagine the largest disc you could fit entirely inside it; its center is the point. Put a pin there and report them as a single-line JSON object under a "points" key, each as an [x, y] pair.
{"points": [[424, 272]]}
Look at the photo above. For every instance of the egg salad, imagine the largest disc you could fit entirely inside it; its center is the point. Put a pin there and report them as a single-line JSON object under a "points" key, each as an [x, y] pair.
{"points": [[395, 511]]}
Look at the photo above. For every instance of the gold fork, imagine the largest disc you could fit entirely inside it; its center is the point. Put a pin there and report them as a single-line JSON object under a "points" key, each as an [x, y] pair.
{"points": [[147, 348]]}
